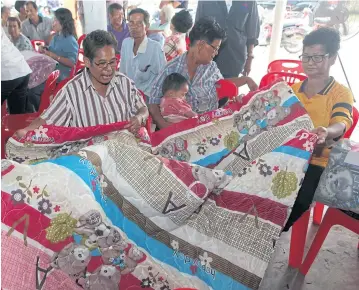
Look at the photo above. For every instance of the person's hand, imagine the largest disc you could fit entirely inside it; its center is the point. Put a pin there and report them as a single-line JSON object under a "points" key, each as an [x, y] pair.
{"points": [[252, 84], [42, 49], [135, 124], [322, 134], [248, 66], [21, 133]]}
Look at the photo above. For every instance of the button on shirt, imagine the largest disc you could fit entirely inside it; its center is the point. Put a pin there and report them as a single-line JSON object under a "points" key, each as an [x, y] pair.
{"points": [[78, 104], [202, 94], [67, 47], [145, 66], [41, 31], [13, 64]]}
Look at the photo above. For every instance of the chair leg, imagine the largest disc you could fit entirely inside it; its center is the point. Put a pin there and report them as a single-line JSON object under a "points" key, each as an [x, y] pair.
{"points": [[317, 243], [318, 213], [297, 240]]}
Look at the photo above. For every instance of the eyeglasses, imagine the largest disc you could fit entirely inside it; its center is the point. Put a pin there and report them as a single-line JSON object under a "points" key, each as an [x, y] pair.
{"points": [[315, 58], [103, 64], [214, 48]]}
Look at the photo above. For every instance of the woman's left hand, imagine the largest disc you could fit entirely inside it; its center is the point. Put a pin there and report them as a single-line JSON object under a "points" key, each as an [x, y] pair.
{"points": [[322, 134]]}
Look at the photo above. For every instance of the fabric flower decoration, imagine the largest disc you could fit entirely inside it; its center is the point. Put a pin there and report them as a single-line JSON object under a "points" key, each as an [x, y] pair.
{"points": [[284, 183], [175, 245], [265, 170], [41, 132], [180, 144], [17, 196], [231, 141], [214, 141], [183, 155], [242, 172], [201, 150], [167, 150], [103, 183], [83, 154], [146, 283], [205, 260], [44, 206], [308, 146]]}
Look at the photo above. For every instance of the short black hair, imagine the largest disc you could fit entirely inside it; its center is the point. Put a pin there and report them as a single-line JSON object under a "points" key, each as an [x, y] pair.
{"points": [[207, 29], [146, 15], [96, 40], [19, 4], [174, 81], [182, 21], [32, 3], [114, 6], [329, 38]]}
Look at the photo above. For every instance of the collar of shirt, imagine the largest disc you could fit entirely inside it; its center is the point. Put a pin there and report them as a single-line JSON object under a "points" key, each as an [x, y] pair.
{"points": [[86, 80], [324, 91], [40, 20], [143, 46]]}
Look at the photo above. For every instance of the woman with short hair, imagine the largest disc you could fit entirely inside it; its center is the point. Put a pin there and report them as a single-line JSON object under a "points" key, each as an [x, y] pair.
{"points": [[20, 41], [63, 46]]}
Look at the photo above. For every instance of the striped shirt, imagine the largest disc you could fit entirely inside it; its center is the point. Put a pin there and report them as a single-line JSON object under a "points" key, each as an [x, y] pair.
{"points": [[202, 94], [333, 104], [78, 104]]}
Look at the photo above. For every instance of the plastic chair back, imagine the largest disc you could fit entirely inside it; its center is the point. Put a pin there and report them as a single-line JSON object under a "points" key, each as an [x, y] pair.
{"points": [[355, 122], [36, 43], [49, 90], [290, 78], [226, 89], [79, 63], [286, 65], [80, 40]]}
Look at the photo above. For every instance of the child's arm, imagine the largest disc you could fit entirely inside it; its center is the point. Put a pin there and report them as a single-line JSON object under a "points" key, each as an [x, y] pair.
{"points": [[241, 81]]}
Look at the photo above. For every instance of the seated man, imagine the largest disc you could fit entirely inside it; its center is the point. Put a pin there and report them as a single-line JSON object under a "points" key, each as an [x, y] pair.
{"points": [[142, 59], [118, 26], [36, 27], [198, 67], [98, 95], [329, 105]]}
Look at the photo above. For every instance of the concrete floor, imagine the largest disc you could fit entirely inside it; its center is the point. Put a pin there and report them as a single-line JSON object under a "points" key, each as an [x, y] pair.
{"points": [[335, 268]]}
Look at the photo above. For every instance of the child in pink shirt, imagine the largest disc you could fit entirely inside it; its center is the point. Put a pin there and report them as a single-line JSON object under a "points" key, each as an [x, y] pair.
{"points": [[174, 107]]}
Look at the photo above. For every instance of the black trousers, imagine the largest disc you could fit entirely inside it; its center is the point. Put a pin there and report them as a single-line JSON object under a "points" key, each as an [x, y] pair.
{"points": [[15, 92], [305, 194]]}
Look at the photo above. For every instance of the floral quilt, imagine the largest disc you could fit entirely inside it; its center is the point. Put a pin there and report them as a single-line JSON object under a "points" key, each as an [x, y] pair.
{"points": [[229, 138]]}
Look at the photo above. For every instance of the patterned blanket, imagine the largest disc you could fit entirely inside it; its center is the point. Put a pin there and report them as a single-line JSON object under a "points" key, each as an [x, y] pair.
{"points": [[111, 215]]}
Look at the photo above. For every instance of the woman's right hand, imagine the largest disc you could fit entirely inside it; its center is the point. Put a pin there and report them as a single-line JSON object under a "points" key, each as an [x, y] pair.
{"points": [[21, 133]]}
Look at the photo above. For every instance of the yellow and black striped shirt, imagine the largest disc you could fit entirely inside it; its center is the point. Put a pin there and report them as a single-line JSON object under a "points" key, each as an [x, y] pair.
{"points": [[332, 105]]}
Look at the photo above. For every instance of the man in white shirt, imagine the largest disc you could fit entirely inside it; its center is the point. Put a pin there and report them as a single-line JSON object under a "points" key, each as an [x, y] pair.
{"points": [[15, 75]]}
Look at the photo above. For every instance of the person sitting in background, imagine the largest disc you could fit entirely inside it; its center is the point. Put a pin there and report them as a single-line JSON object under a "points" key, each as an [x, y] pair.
{"points": [[118, 26], [98, 95], [142, 59], [175, 44], [174, 107], [160, 30], [329, 105], [36, 27], [15, 75], [198, 67], [5, 13], [63, 46], [20, 41], [20, 7]]}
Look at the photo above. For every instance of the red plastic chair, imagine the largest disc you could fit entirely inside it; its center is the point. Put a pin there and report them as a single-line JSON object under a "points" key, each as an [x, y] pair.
{"points": [[226, 89], [332, 217], [11, 123], [80, 40], [187, 43], [36, 43], [319, 207], [290, 78], [286, 65]]}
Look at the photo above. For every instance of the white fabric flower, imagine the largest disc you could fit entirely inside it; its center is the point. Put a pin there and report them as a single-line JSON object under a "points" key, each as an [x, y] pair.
{"points": [[205, 260], [41, 132], [83, 154], [175, 245], [308, 146]]}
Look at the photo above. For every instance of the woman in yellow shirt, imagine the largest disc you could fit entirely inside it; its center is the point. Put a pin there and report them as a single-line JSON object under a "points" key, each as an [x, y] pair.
{"points": [[328, 103]]}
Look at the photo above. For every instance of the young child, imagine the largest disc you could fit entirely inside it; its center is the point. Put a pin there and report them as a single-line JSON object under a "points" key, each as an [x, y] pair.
{"points": [[174, 107]]}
